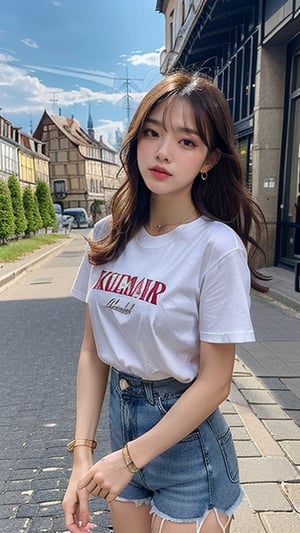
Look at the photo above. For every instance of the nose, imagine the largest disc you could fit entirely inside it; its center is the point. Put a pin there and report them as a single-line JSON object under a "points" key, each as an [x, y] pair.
{"points": [[163, 151]]}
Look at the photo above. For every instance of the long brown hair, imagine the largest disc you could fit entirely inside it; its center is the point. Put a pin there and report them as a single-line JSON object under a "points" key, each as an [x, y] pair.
{"points": [[223, 196]]}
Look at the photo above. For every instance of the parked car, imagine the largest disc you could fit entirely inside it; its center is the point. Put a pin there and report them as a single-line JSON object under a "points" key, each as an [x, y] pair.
{"points": [[58, 214], [57, 209], [67, 221], [81, 219]]}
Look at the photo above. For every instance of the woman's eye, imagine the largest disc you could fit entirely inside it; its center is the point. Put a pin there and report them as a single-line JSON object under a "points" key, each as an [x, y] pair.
{"points": [[187, 142], [150, 133]]}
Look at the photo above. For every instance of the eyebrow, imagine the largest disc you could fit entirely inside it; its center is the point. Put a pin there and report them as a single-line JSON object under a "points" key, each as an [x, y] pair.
{"points": [[180, 129]]}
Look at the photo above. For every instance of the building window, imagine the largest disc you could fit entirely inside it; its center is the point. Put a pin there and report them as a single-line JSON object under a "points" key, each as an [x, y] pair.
{"points": [[254, 44], [182, 12], [246, 83], [225, 82], [171, 29], [232, 78], [237, 102], [245, 148], [59, 189]]}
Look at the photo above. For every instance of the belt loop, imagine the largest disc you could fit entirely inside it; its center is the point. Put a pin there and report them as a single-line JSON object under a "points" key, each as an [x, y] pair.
{"points": [[148, 387]]}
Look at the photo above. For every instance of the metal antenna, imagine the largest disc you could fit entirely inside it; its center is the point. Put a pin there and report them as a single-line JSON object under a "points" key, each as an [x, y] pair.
{"points": [[127, 100], [54, 102]]}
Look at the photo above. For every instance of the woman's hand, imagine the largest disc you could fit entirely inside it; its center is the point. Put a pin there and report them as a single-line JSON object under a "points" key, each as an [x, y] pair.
{"points": [[75, 502], [110, 474]]}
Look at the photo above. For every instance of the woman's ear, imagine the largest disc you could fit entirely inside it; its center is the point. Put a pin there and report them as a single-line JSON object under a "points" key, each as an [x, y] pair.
{"points": [[212, 159]]}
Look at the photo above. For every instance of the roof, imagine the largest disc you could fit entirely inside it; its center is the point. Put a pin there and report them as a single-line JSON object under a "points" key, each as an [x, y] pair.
{"points": [[23, 141], [72, 129]]}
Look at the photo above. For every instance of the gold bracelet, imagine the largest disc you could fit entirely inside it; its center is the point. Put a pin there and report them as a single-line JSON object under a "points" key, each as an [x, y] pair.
{"points": [[81, 442], [133, 469]]}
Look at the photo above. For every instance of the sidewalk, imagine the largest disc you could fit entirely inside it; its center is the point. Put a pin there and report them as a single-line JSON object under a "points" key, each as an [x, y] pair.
{"points": [[263, 410], [9, 272], [281, 287]]}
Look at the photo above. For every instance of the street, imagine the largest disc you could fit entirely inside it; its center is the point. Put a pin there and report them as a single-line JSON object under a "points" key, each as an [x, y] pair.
{"points": [[41, 327], [40, 330]]}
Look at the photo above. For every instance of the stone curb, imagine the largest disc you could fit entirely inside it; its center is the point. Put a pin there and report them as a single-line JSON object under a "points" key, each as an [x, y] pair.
{"points": [[14, 274], [284, 299]]}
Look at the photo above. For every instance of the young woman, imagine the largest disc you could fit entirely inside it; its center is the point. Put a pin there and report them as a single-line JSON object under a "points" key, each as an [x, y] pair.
{"points": [[166, 281]]}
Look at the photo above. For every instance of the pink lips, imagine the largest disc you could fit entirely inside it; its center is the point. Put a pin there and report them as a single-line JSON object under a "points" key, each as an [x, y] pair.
{"points": [[160, 172]]}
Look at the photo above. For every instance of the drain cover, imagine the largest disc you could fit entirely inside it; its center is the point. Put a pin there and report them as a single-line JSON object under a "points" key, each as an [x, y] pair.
{"points": [[40, 281]]}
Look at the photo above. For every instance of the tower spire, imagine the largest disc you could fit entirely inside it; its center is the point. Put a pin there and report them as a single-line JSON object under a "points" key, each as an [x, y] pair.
{"points": [[90, 125]]}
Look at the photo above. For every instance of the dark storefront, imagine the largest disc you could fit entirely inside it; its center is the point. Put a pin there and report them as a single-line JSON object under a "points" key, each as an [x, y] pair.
{"points": [[251, 49], [288, 236]]}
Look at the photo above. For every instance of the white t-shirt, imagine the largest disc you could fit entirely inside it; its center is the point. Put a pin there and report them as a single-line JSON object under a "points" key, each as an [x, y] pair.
{"points": [[151, 307]]}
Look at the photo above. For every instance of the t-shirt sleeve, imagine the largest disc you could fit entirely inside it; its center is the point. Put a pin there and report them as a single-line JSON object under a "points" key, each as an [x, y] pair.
{"points": [[82, 281], [81, 284], [224, 310]]}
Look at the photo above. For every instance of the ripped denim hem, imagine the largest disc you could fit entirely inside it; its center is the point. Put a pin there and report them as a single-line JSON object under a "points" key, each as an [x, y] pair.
{"points": [[199, 520], [138, 502]]}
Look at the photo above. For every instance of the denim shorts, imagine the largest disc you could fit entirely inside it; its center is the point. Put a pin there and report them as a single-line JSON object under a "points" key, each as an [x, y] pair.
{"points": [[195, 475]]}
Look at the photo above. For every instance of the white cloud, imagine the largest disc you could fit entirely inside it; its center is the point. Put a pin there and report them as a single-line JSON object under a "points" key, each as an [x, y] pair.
{"points": [[6, 58], [29, 42], [104, 78], [150, 59], [22, 92], [107, 129], [81, 95]]}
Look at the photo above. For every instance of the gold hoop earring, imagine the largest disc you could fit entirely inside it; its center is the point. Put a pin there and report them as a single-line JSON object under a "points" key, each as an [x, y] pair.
{"points": [[204, 175]]}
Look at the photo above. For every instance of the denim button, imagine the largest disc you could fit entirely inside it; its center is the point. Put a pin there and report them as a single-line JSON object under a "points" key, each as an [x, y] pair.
{"points": [[123, 383]]}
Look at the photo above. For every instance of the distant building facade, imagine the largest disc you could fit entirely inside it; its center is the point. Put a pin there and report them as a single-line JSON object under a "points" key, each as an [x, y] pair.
{"points": [[251, 48], [21, 155], [82, 169]]}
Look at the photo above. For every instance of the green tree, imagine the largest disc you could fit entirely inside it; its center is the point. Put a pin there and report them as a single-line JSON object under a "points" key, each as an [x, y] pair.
{"points": [[37, 214], [7, 224], [45, 204], [29, 208], [17, 204]]}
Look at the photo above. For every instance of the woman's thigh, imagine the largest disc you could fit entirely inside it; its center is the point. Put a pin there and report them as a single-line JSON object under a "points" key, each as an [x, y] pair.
{"points": [[130, 518]]}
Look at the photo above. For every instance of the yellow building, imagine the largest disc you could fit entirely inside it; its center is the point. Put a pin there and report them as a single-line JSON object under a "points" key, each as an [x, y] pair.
{"points": [[26, 167], [22, 155]]}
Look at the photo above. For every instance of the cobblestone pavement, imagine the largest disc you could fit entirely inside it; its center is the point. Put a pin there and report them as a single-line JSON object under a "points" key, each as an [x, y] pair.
{"points": [[40, 331]]}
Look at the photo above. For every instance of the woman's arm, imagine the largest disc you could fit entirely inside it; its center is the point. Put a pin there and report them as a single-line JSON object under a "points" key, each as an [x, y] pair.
{"points": [[200, 400], [208, 391], [92, 375]]}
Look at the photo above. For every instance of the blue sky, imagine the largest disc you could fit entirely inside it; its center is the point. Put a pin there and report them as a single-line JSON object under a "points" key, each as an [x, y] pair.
{"points": [[76, 55]]}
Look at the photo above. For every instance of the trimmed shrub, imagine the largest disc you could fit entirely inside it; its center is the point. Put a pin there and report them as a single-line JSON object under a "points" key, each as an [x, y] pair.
{"points": [[30, 210], [7, 224], [37, 214], [45, 203], [17, 205]]}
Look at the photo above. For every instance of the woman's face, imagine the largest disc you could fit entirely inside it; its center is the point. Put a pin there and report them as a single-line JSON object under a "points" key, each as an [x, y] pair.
{"points": [[170, 152]]}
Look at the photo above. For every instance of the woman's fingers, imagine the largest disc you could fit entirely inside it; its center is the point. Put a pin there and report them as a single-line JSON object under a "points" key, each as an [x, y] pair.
{"points": [[107, 478], [87, 482], [83, 513], [77, 513], [75, 527]]}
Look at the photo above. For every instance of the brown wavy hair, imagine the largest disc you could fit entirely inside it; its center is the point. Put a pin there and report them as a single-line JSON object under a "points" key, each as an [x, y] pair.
{"points": [[223, 196]]}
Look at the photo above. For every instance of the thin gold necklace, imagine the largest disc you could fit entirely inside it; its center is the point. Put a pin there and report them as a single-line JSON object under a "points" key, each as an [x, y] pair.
{"points": [[159, 227]]}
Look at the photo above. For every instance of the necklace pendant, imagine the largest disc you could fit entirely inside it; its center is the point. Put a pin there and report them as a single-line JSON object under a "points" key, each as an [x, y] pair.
{"points": [[159, 226]]}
